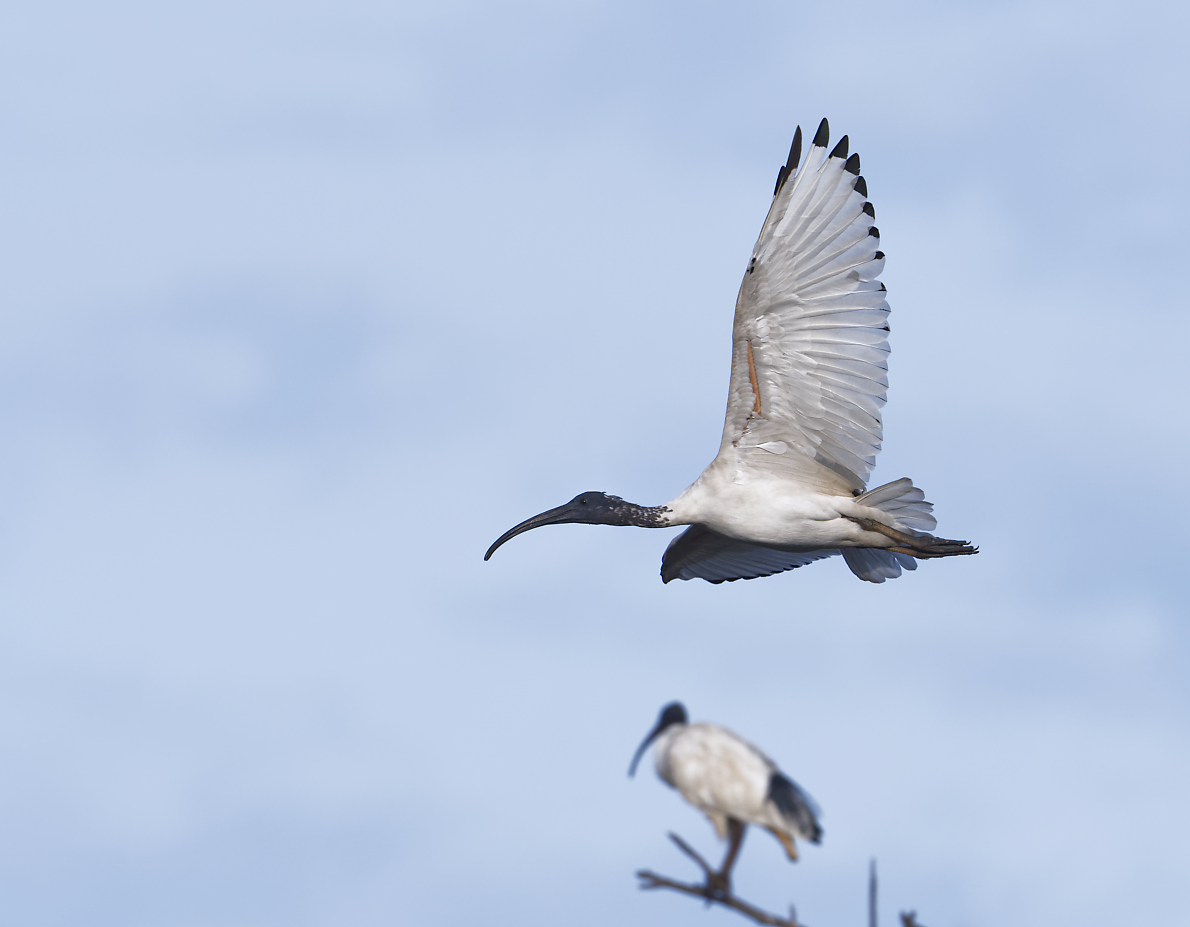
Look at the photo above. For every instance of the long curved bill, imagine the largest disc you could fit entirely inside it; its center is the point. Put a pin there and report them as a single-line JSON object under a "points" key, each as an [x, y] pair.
{"points": [[644, 745], [562, 515]]}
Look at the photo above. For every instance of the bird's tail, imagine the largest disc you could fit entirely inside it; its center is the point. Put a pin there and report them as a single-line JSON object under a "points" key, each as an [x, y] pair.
{"points": [[798, 808], [911, 514], [905, 503]]}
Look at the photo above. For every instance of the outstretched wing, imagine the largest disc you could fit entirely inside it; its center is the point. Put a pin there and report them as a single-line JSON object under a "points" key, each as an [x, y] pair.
{"points": [[810, 342], [700, 553]]}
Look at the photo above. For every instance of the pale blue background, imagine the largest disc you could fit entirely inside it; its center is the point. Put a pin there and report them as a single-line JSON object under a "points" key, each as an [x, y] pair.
{"points": [[304, 304]]}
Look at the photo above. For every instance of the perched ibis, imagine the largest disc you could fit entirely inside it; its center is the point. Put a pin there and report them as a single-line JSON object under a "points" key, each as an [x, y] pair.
{"points": [[808, 380], [731, 782]]}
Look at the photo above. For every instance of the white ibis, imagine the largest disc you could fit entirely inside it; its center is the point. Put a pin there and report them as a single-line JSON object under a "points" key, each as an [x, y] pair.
{"points": [[731, 782], [808, 380]]}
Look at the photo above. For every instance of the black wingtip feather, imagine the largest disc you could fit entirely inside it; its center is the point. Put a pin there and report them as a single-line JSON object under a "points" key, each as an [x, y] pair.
{"points": [[870, 210], [795, 152], [852, 165], [861, 187], [878, 256], [791, 163], [874, 232], [823, 135], [840, 150]]}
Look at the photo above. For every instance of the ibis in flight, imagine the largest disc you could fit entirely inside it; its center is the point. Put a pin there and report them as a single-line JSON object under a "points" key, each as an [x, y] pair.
{"points": [[731, 782], [808, 379]]}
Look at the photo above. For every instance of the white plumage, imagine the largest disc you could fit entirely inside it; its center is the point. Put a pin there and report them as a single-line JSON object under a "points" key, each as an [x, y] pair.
{"points": [[808, 380], [730, 781]]}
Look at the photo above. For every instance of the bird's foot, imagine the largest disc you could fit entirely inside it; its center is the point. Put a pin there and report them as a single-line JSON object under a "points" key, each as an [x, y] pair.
{"points": [[921, 546], [718, 885]]}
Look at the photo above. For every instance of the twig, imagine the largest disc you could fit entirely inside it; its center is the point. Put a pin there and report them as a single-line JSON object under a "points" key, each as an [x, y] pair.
{"points": [[872, 920], [693, 854], [909, 919], [650, 880]]}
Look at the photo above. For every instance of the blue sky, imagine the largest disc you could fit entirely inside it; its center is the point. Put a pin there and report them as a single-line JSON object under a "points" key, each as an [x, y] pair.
{"points": [[307, 304]]}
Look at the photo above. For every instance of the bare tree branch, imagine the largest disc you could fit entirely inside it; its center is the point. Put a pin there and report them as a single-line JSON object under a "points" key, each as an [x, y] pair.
{"points": [[872, 894], [713, 895], [693, 854]]}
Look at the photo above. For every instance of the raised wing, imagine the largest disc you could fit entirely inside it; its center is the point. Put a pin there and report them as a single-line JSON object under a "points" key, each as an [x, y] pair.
{"points": [[810, 342], [700, 553]]}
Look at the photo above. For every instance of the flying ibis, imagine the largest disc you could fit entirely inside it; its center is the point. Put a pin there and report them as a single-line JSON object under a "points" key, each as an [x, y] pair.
{"points": [[731, 782], [808, 380]]}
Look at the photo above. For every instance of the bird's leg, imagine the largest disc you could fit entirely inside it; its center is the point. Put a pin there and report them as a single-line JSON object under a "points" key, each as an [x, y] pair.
{"points": [[719, 883], [923, 547]]}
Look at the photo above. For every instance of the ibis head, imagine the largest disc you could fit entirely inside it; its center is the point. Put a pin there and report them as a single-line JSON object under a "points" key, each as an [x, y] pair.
{"points": [[671, 714], [590, 508]]}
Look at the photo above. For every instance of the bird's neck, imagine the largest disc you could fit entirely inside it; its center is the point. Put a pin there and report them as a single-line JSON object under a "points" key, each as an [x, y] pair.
{"points": [[641, 516]]}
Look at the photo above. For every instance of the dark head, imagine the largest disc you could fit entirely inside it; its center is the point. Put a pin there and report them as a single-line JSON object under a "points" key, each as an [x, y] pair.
{"points": [[671, 714], [588, 508]]}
